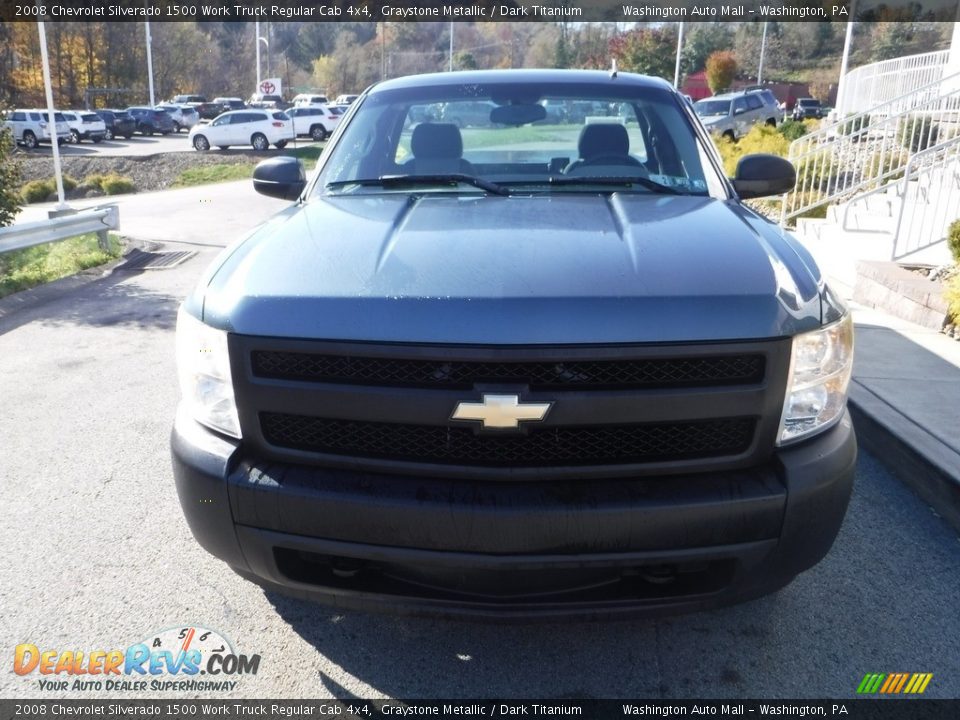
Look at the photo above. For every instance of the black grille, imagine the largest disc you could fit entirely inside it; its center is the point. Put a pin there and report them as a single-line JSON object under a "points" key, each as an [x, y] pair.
{"points": [[541, 447], [734, 369]]}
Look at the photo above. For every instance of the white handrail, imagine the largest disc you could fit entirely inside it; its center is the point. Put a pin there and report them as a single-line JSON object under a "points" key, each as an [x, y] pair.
{"points": [[870, 85]]}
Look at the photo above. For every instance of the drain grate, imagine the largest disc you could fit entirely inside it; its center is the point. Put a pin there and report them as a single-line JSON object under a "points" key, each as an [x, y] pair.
{"points": [[140, 260]]}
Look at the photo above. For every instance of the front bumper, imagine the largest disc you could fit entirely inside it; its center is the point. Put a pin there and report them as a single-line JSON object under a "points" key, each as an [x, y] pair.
{"points": [[515, 549]]}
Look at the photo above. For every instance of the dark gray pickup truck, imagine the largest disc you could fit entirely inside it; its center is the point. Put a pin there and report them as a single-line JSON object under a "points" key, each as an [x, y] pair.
{"points": [[527, 367]]}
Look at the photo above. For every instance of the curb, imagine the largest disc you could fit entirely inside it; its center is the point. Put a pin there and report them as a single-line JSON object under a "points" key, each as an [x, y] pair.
{"points": [[41, 294], [921, 461]]}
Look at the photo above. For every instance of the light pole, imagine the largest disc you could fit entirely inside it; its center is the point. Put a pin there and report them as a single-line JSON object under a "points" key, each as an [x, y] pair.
{"points": [[763, 50], [676, 71], [51, 118], [146, 28], [450, 65], [256, 41], [841, 84]]}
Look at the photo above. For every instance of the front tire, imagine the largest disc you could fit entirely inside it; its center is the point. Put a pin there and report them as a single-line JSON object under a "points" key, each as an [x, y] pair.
{"points": [[200, 143], [29, 140], [259, 141]]}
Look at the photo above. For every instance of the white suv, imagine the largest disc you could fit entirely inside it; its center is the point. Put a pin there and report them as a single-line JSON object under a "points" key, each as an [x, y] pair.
{"points": [[30, 127], [316, 121], [259, 128], [85, 125]]}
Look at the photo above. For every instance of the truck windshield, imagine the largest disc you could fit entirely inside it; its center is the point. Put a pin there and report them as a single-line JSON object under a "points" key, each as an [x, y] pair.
{"points": [[519, 137]]}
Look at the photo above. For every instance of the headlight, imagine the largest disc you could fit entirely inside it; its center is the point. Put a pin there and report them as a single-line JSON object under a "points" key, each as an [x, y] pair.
{"points": [[820, 367], [203, 364]]}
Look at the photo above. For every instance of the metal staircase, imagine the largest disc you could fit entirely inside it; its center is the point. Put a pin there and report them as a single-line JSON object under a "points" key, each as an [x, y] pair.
{"points": [[892, 170]]}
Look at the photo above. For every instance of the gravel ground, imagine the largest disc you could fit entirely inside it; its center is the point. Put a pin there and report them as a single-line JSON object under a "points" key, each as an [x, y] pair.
{"points": [[148, 172]]}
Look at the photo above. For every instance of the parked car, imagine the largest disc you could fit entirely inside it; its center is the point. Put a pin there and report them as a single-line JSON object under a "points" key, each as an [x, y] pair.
{"points": [[30, 127], [345, 99], [510, 373], [310, 99], [151, 121], [733, 114], [209, 110], [468, 113], [230, 103], [808, 108], [117, 123], [314, 121], [84, 126], [258, 128], [183, 117], [186, 100], [260, 100]]}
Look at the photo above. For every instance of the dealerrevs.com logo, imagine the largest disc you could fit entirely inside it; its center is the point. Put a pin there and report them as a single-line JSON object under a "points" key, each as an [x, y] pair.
{"points": [[170, 660]]}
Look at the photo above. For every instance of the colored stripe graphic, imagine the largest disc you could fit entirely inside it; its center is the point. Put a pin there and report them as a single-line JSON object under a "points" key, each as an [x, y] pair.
{"points": [[871, 683], [894, 683]]}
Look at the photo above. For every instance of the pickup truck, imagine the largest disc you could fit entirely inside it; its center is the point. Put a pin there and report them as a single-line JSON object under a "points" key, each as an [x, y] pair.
{"points": [[518, 369]]}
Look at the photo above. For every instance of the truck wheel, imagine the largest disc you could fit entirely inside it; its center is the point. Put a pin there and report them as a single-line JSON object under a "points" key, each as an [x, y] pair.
{"points": [[318, 133], [259, 141], [772, 122], [29, 140], [108, 134], [201, 143], [75, 137], [729, 134], [176, 127]]}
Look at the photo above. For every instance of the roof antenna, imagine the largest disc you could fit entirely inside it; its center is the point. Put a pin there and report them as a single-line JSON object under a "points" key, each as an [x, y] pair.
{"points": [[613, 68]]}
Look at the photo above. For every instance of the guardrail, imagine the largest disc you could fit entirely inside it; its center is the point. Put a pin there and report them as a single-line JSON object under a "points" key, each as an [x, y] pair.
{"points": [[98, 220]]}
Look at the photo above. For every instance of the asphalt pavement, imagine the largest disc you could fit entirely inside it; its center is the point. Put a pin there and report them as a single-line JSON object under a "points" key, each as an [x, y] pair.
{"points": [[98, 556]]}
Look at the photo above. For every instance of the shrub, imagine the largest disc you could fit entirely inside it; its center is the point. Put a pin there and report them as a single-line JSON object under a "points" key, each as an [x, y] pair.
{"points": [[953, 241], [38, 190], [117, 185], [95, 180], [9, 179], [760, 139], [886, 165], [815, 172], [793, 129], [855, 126], [952, 295], [918, 133]]}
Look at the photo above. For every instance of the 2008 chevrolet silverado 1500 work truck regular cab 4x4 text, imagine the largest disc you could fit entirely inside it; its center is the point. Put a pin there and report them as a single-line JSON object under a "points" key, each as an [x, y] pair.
{"points": [[516, 366]]}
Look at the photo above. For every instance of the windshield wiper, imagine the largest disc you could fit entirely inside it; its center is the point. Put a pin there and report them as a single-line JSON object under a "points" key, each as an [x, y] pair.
{"points": [[440, 178], [608, 180]]}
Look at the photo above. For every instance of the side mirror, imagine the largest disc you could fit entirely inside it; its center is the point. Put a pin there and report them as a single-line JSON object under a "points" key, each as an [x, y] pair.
{"points": [[282, 177], [763, 175]]}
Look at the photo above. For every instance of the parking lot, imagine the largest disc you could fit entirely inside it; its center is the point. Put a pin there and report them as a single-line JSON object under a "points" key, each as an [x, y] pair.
{"points": [[99, 556], [139, 146]]}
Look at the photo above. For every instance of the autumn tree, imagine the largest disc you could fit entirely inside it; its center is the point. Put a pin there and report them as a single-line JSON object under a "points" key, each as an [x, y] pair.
{"points": [[721, 69], [649, 51]]}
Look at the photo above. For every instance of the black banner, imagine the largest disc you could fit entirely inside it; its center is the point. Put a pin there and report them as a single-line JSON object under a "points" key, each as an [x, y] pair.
{"points": [[200, 709], [475, 10]]}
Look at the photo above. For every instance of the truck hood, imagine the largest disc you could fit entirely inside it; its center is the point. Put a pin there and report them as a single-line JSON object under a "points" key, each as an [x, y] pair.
{"points": [[550, 269]]}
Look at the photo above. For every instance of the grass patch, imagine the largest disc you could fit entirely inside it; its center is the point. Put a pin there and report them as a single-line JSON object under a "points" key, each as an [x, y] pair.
{"points": [[222, 172], [29, 267]]}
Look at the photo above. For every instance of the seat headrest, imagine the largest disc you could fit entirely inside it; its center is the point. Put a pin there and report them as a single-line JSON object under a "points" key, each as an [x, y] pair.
{"points": [[436, 141], [598, 139]]}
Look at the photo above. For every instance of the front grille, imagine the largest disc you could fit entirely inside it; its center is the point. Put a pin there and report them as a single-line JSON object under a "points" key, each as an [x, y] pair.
{"points": [[733, 369], [540, 447]]}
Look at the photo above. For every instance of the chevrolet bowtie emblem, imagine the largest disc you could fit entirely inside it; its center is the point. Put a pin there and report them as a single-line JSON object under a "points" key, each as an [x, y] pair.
{"points": [[501, 411]]}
